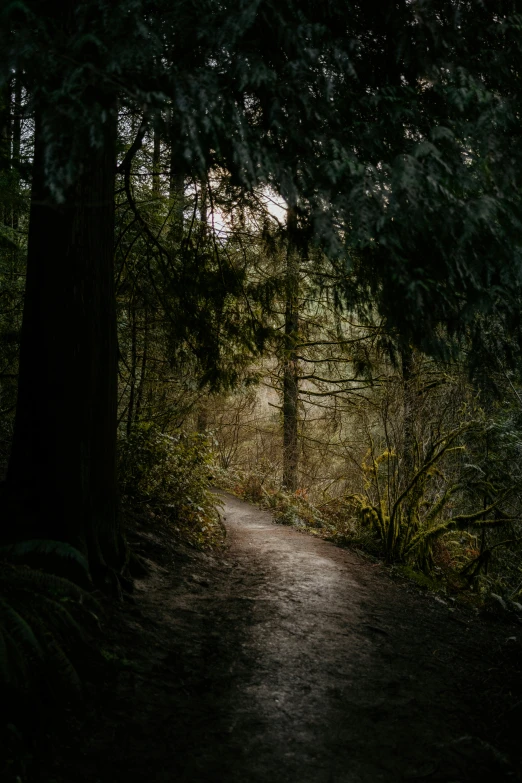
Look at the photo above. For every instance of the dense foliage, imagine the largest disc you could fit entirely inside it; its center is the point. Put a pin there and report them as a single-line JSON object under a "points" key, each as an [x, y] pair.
{"points": [[45, 618], [293, 227], [168, 477]]}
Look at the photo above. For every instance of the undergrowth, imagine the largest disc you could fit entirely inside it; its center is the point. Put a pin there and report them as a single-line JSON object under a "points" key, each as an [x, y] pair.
{"points": [[337, 520], [44, 620], [167, 479]]}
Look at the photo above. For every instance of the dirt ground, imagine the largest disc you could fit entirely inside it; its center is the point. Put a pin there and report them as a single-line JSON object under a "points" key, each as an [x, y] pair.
{"points": [[287, 659]]}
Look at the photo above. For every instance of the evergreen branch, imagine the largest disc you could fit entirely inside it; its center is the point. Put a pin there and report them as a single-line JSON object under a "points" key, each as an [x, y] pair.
{"points": [[136, 145]]}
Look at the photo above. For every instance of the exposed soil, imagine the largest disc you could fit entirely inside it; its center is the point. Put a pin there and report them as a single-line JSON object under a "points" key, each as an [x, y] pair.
{"points": [[288, 659]]}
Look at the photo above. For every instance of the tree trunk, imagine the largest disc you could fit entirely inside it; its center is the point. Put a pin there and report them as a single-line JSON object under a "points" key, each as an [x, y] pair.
{"points": [[143, 372], [409, 448], [202, 417], [5, 144], [156, 164], [17, 142], [132, 380], [290, 362], [62, 474], [177, 197]]}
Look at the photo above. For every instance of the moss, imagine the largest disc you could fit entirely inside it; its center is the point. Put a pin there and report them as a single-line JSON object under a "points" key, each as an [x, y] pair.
{"points": [[420, 579]]}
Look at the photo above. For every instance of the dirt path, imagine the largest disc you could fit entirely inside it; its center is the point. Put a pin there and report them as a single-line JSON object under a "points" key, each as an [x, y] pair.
{"points": [[290, 660]]}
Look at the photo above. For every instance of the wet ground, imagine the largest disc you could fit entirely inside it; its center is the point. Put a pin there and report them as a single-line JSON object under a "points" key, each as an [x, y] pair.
{"points": [[287, 659]]}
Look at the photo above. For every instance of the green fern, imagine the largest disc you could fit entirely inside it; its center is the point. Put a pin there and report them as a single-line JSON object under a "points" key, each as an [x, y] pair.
{"points": [[53, 557], [19, 629], [20, 551], [42, 616]]}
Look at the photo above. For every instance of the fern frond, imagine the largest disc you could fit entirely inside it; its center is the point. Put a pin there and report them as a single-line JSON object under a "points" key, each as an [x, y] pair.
{"points": [[56, 665], [18, 665], [61, 665], [4, 658], [20, 550], [57, 613], [19, 629], [37, 611], [38, 581]]}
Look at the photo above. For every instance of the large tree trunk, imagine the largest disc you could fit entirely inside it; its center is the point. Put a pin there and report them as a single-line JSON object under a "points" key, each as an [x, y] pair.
{"points": [[62, 475], [290, 363]]}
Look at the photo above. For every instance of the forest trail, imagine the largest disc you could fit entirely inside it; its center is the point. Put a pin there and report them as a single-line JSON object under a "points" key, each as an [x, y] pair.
{"points": [[289, 660]]}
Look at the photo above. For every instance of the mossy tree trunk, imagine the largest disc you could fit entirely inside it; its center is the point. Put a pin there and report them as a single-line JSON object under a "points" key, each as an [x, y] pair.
{"points": [[408, 383]]}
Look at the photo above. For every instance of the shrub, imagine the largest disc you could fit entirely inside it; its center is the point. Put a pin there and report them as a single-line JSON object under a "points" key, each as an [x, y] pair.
{"points": [[293, 509], [170, 477]]}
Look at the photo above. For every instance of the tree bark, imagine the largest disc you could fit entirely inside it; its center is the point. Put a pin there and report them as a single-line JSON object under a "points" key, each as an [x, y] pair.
{"points": [[62, 474], [156, 164], [409, 448], [143, 371], [132, 380], [177, 196], [17, 142], [5, 143], [290, 362], [202, 417]]}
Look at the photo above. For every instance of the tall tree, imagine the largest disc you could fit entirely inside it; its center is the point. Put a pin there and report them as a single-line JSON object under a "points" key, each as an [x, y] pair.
{"points": [[290, 360], [62, 478]]}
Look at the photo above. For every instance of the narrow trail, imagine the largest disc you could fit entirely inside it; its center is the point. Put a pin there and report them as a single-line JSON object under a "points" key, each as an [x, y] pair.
{"points": [[290, 660]]}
